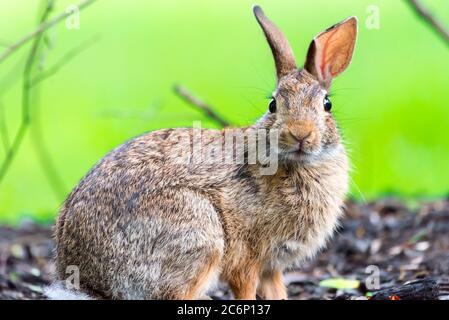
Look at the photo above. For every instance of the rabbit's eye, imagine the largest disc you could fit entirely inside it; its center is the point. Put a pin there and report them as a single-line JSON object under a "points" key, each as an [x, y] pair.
{"points": [[272, 106], [327, 104]]}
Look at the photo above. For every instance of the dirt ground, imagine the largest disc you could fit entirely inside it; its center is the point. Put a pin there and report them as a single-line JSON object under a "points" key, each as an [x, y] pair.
{"points": [[400, 244]]}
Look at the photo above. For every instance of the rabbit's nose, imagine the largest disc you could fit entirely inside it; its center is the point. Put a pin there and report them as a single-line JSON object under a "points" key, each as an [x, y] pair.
{"points": [[303, 138], [303, 134]]}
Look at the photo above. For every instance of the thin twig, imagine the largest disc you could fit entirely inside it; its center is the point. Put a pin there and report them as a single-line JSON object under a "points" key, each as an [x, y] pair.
{"points": [[25, 98], [3, 128], [45, 25], [433, 22], [12, 77], [27, 84], [66, 58], [199, 104], [45, 157]]}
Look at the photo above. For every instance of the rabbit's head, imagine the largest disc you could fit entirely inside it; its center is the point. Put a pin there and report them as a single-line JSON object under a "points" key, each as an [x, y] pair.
{"points": [[301, 109]]}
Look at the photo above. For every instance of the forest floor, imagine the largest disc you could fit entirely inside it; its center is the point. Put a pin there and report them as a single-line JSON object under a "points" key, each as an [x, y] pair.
{"points": [[383, 237]]}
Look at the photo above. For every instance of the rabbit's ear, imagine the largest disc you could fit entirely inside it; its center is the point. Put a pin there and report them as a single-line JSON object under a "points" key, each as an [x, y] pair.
{"points": [[282, 52], [331, 51]]}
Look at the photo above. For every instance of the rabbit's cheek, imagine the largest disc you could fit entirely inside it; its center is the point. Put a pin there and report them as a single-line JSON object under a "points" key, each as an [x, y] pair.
{"points": [[330, 134]]}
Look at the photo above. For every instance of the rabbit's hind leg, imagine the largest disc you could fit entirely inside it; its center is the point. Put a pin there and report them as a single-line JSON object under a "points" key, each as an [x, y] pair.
{"points": [[271, 286], [204, 280], [178, 248]]}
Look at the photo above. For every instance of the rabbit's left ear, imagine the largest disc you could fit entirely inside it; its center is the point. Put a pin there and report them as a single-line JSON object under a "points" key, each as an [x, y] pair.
{"points": [[331, 51], [282, 52]]}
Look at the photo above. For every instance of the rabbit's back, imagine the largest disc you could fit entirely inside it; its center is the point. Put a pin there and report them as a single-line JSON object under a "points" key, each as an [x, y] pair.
{"points": [[137, 211]]}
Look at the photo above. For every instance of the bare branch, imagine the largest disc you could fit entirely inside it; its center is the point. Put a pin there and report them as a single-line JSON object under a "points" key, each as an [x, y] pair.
{"points": [[11, 152], [66, 58], [187, 96], [44, 155], [28, 83], [45, 158], [433, 22], [3, 128], [45, 25], [17, 141]]}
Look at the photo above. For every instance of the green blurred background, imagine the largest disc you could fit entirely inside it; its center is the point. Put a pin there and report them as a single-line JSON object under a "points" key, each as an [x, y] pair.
{"points": [[391, 103]]}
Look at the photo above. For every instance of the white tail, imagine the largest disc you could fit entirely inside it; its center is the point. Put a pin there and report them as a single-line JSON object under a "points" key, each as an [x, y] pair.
{"points": [[57, 291]]}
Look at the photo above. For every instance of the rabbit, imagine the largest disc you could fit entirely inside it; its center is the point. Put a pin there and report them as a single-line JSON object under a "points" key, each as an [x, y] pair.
{"points": [[144, 225]]}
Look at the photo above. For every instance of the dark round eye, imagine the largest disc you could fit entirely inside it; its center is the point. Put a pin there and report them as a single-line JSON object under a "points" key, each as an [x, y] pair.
{"points": [[327, 104], [272, 106]]}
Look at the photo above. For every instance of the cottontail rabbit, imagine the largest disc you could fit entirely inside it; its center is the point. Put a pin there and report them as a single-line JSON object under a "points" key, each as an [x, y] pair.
{"points": [[144, 225]]}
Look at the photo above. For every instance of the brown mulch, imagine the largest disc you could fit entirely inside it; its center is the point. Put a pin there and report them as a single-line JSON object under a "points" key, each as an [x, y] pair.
{"points": [[402, 244]]}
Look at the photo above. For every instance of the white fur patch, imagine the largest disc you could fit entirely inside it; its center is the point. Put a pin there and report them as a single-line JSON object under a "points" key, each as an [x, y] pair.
{"points": [[57, 291]]}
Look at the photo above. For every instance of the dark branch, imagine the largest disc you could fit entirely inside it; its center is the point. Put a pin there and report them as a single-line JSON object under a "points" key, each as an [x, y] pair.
{"points": [[201, 105], [423, 289], [433, 22]]}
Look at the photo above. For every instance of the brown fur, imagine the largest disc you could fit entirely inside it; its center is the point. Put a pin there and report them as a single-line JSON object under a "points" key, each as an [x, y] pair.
{"points": [[244, 280], [142, 225], [271, 286], [203, 279]]}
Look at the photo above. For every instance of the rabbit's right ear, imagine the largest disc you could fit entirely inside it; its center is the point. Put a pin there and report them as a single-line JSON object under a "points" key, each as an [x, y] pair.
{"points": [[282, 52], [331, 51]]}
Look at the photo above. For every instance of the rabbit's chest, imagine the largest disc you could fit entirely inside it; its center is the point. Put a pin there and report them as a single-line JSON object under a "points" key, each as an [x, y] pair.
{"points": [[303, 239], [307, 218]]}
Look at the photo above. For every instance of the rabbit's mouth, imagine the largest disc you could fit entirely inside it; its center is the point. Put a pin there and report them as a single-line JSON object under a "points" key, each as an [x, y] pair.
{"points": [[301, 155], [300, 141]]}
